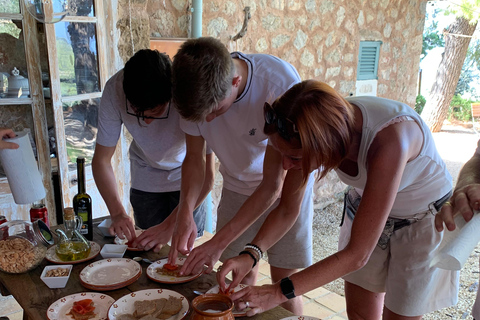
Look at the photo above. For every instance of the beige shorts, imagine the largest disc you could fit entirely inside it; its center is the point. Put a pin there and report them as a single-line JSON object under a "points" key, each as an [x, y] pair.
{"points": [[403, 272], [293, 251]]}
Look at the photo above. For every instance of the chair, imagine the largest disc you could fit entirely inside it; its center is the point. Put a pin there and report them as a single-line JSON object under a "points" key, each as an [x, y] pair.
{"points": [[475, 114]]}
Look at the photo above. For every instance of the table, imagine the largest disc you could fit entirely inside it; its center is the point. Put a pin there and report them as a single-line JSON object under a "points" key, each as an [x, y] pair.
{"points": [[35, 297]]}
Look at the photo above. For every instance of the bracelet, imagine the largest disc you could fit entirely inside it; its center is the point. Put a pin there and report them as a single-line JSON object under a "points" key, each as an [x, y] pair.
{"points": [[256, 248], [251, 255]]}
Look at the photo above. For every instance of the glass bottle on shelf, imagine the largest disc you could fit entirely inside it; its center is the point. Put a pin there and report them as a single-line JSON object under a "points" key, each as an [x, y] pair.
{"points": [[82, 202], [71, 245]]}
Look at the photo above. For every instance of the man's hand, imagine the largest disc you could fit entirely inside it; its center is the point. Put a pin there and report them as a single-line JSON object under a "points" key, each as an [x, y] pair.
{"points": [[123, 226], [463, 201], [205, 254], [7, 133], [154, 237], [183, 237]]}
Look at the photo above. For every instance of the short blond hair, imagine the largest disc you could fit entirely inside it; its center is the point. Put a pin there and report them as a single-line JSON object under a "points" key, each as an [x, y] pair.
{"points": [[202, 74]]}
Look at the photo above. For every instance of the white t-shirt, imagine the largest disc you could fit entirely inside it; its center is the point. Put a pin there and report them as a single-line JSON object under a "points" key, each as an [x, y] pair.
{"points": [[157, 150], [237, 136]]}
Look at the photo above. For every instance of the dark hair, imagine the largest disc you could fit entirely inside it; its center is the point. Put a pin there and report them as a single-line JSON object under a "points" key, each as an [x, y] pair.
{"points": [[324, 120], [202, 77], [147, 80]]}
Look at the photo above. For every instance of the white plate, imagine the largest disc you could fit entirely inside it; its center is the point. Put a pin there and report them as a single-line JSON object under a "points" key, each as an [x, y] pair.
{"points": [[236, 313], [300, 318], [112, 272], [52, 255], [125, 303], [155, 276], [59, 309], [117, 240]]}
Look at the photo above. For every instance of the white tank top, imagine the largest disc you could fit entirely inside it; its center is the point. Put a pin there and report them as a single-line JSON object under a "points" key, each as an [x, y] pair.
{"points": [[425, 179]]}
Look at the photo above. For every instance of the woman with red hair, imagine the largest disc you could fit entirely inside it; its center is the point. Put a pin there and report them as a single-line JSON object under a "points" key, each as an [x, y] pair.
{"points": [[397, 182]]}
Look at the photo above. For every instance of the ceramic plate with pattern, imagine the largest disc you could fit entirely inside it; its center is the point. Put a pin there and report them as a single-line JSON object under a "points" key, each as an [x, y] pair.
{"points": [[154, 272], [300, 318], [110, 274], [101, 302], [52, 255], [236, 313], [126, 303]]}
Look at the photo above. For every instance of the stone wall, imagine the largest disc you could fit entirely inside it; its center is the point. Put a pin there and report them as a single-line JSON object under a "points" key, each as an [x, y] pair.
{"points": [[319, 37]]}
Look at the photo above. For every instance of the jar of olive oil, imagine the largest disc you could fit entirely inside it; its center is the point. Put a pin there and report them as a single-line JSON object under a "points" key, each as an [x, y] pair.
{"points": [[72, 245]]}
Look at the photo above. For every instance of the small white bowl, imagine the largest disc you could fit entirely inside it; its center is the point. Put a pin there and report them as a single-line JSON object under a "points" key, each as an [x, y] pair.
{"points": [[56, 282], [104, 226], [113, 250]]}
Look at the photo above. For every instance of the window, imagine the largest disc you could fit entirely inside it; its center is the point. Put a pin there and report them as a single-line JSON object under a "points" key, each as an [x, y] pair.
{"points": [[368, 60]]}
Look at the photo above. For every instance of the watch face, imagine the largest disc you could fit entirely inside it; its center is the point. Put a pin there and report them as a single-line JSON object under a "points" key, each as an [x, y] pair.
{"points": [[287, 288]]}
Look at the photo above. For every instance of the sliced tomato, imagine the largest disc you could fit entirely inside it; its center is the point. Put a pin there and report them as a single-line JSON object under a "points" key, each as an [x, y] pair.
{"points": [[78, 309], [84, 302], [170, 267]]}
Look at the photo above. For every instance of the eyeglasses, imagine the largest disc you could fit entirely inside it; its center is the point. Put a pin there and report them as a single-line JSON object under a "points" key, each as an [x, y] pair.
{"points": [[140, 115], [285, 127]]}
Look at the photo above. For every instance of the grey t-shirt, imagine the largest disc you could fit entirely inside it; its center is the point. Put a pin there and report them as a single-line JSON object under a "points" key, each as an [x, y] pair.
{"points": [[157, 150]]}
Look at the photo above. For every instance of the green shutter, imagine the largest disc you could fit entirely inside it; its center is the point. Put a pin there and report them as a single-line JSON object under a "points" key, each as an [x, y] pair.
{"points": [[368, 60]]}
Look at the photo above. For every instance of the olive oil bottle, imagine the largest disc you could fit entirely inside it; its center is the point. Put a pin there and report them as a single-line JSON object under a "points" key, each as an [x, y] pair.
{"points": [[82, 202], [71, 245]]}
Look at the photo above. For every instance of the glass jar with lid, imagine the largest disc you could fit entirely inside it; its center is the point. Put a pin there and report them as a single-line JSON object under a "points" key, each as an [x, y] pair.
{"points": [[23, 245]]}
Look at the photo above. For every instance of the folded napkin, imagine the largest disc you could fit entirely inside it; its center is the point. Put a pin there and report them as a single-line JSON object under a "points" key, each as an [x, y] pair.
{"points": [[457, 245]]}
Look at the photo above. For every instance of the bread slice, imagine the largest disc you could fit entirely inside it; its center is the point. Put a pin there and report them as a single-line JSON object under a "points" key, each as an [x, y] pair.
{"points": [[172, 307], [159, 305], [143, 308], [125, 316]]}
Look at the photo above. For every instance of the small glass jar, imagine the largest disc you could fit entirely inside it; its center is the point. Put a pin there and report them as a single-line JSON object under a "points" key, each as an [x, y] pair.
{"points": [[23, 245], [212, 306]]}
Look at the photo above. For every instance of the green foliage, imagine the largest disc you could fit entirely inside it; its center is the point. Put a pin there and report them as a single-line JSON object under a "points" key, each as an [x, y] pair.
{"points": [[469, 9], [460, 108], [420, 102], [9, 6], [8, 27], [432, 38]]}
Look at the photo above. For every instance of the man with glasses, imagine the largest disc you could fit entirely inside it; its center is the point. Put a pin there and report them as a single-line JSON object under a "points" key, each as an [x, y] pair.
{"points": [[138, 97], [220, 97]]}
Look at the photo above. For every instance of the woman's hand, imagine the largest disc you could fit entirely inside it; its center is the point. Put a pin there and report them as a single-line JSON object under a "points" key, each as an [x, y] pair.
{"points": [[258, 299], [240, 267]]}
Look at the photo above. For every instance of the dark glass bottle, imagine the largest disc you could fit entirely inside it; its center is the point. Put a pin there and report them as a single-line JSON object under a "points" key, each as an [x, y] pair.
{"points": [[82, 202]]}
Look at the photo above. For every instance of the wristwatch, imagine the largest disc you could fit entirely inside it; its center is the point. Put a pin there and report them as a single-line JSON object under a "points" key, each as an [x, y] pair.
{"points": [[287, 288]]}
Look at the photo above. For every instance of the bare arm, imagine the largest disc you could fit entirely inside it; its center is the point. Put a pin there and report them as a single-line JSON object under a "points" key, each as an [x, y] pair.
{"points": [[388, 155], [157, 236], [263, 197], [193, 184], [466, 196], [107, 186]]}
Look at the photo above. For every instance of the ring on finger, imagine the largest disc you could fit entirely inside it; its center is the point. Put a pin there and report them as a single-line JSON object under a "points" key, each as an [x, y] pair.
{"points": [[247, 304], [447, 203]]}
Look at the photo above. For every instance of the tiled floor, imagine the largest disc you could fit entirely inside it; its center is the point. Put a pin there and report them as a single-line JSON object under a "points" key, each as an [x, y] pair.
{"points": [[319, 303]]}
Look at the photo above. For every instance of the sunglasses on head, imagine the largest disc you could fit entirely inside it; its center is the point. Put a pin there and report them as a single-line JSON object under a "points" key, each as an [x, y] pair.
{"points": [[141, 116], [285, 127]]}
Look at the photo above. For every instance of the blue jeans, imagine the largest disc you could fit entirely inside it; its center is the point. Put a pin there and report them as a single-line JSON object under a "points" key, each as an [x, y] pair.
{"points": [[152, 208]]}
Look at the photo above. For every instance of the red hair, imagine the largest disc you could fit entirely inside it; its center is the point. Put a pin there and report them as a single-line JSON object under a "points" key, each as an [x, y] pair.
{"points": [[324, 121]]}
